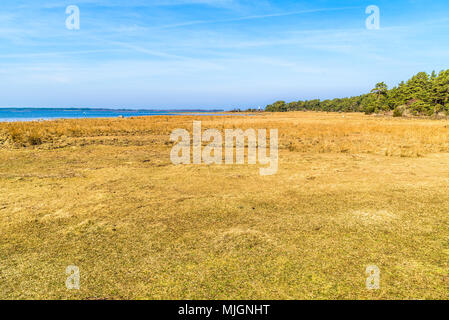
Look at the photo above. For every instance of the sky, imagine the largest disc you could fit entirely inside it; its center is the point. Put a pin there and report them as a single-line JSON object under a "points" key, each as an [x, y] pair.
{"points": [[168, 54]]}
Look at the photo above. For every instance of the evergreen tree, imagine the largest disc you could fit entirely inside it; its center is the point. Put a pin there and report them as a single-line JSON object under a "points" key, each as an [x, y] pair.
{"points": [[423, 94]]}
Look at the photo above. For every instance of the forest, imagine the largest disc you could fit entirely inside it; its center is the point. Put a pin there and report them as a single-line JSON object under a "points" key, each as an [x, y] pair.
{"points": [[422, 95]]}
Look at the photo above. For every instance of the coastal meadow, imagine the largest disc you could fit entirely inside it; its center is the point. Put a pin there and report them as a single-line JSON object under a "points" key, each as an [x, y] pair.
{"points": [[96, 209], [309, 132]]}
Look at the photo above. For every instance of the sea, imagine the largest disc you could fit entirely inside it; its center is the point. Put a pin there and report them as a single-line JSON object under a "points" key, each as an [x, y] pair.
{"points": [[33, 114]]}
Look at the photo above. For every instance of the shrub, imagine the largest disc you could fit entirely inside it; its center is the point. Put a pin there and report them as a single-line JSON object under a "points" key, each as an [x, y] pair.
{"points": [[421, 107], [34, 139], [370, 109], [398, 112], [15, 134], [438, 108]]}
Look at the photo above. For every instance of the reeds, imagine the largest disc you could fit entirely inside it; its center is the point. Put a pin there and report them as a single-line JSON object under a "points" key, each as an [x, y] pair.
{"points": [[298, 132]]}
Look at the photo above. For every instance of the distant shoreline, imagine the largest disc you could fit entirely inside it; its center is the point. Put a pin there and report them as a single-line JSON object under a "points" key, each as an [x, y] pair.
{"points": [[112, 109], [48, 114]]}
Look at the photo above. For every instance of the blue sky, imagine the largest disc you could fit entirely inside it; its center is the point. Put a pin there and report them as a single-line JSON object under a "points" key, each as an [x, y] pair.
{"points": [[211, 53]]}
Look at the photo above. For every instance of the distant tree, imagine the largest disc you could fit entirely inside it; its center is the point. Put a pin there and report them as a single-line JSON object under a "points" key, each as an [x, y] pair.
{"points": [[421, 107], [422, 94], [278, 106], [381, 89], [292, 106], [440, 90], [433, 76]]}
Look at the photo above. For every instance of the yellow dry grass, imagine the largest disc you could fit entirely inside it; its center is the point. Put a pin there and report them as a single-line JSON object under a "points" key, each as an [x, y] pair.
{"points": [[351, 191]]}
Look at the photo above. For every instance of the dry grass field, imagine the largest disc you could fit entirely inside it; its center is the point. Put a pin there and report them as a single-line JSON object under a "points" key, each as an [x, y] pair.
{"points": [[351, 191]]}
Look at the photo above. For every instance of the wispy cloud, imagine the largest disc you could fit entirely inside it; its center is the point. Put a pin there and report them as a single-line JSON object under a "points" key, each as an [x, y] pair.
{"points": [[254, 17], [211, 52]]}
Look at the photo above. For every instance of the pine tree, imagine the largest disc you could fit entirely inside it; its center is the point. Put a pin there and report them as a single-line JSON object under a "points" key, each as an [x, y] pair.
{"points": [[423, 94]]}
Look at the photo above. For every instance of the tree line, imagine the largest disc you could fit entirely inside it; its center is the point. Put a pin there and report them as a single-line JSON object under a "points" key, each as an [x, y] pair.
{"points": [[423, 94]]}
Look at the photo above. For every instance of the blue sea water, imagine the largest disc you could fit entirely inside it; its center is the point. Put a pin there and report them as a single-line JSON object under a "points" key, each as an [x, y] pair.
{"points": [[30, 114]]}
